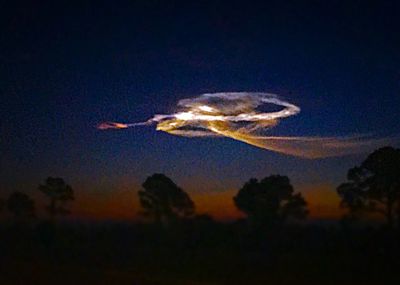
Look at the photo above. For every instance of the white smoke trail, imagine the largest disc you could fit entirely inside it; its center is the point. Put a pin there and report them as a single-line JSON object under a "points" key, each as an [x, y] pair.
{"points": [[236, 115]]}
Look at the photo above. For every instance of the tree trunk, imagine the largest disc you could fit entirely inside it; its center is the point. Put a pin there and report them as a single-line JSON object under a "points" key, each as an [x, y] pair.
{"points": [[389, 214], [52, 208], [398, 215]]}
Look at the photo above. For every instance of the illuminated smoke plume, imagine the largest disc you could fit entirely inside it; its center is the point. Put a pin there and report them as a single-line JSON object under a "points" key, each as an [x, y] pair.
{"points": [[237, 115]]}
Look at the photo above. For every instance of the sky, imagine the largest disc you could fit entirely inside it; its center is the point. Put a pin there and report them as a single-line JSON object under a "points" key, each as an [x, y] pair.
{"points": [[67, 66]]}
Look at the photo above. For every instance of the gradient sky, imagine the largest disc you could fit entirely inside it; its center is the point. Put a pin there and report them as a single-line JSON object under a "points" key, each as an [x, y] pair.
{"points": [[64, 68]]}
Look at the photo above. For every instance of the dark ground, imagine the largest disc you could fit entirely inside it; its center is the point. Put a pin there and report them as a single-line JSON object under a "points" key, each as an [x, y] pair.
{"points": [[197, 252]]}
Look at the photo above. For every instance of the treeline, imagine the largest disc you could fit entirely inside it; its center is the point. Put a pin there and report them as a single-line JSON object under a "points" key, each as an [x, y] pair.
{"points": [[180, 247], [372, 187], [22, 207]]}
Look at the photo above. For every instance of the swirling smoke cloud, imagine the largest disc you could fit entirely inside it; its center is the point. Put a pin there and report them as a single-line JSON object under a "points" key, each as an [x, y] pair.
{"points": [[238, 115]]}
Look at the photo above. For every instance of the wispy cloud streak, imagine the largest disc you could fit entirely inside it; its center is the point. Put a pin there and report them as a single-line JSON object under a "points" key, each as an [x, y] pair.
{"points": [[237, 115]]}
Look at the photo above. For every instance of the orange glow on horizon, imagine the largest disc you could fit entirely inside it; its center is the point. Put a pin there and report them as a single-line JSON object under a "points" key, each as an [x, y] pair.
{"points": [[323, 201], [219, 205], [123, 205]]}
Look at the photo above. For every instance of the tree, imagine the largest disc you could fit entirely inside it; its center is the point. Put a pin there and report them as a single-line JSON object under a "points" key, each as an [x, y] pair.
{"points": [[1, 205], [164, 200], [21, 206], [270, 201], [374, 186], [59, 194]]}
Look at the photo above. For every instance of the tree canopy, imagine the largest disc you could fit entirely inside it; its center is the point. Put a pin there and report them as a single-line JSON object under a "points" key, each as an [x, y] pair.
{"points": [[271, 200], [59, 193], [164, 200], [374, 186], [21, 205]]}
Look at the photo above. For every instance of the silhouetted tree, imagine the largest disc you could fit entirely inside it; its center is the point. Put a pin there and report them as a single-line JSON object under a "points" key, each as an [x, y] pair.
{"points": [[164, 200], [1, 205], [374, 186], [59, 193], [270, 201], [21, 206]]}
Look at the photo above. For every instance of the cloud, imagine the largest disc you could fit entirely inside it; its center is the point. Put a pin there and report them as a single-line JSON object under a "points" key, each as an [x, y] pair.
{"points": [[237, 115]]}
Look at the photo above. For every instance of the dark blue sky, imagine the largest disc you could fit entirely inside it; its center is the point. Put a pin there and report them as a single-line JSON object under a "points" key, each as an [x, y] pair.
{"points": [[64, 68]]}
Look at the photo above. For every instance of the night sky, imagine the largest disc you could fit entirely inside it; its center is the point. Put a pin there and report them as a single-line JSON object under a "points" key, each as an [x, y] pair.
{"points": [[65, 68]]}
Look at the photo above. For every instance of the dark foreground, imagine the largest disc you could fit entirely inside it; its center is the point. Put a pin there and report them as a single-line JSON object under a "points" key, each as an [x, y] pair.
{"points": [[197, 252]]}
